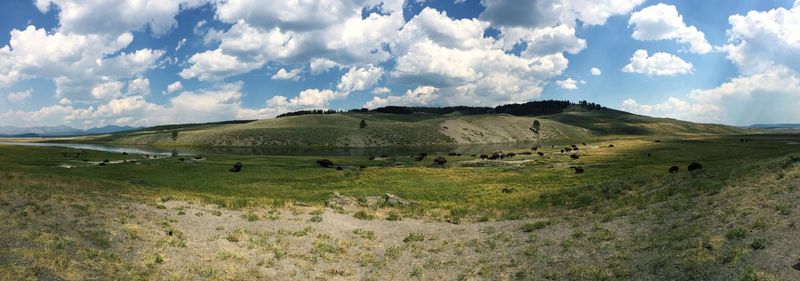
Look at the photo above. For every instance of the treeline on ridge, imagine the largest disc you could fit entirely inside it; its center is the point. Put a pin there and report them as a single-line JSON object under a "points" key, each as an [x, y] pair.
{"points": [[544, 107]]}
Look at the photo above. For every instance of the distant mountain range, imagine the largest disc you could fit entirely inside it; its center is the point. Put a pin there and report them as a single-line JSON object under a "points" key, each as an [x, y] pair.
{"points": [[776, 126], [56, 131]]}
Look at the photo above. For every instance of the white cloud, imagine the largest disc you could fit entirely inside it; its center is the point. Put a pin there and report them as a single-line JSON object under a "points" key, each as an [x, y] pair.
{"points": [[596, 71], [542, 41], [75, 62], [568, 84], [540, 13], [139, 86], [180, 44], [174, 87], [421, 96], [359, 79], [215, 65], [662, 22], [761, 41], [658, 64], [17, 97], [768, 97], [321, 65], [283, 74], [381, 91], [115, 17], [107, 90]]}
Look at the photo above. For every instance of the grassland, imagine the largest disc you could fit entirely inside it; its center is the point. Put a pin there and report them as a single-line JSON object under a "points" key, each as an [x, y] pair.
{"points": [[624, 218], [343, 130]]}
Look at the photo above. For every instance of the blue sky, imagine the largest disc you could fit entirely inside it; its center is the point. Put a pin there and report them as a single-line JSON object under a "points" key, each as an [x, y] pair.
{"points": [[149, 62]]}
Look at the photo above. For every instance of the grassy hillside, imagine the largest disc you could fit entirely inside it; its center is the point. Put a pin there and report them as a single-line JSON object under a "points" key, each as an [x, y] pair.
{"points": [[415, 129]]}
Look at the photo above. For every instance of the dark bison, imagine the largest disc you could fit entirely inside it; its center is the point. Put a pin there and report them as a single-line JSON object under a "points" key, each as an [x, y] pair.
{"points": [[658, 140], [568, 149], [181, 159], [420, 157], [362, 167], [694, 167], [124, 153], [439, 161], [384, 156], [511, 155], [236, 167], [507, 190], [583, 143], [562, 151], [106, 161], [198, 157], [325, 163], [674, 169], [371, 157], [535, 148], [484, 156], [102, 164], [339, 168], [610, 146], [574, 156], [526, 153], [540, 154], [578, 169]]}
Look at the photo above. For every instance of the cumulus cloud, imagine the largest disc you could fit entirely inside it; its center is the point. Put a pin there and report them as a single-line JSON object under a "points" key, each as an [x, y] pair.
{"points": [[540, 13], [115, 17], [663, 22], [568, 84], [421, 96], [768, 97], [658, 64], [760, 41], [75, 62], [381, 91], [17, 97], [283, 74], [596, 71], [139, 86], [174, 87], [321, 65], [359, 79]]}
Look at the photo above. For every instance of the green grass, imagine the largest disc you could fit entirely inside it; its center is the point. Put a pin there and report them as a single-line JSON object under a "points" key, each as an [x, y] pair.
{"points": [[618, 178]]}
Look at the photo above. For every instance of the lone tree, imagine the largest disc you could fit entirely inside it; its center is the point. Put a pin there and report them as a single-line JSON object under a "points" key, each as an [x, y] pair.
{"points": [[536, 126], [363, 124]]}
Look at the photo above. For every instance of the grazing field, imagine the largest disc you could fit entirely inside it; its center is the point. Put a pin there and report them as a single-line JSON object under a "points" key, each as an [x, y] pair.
{"points": [[529, 217]]}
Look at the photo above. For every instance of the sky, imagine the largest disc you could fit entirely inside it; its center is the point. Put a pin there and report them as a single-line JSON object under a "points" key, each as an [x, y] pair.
{"points": [[90, 63]]}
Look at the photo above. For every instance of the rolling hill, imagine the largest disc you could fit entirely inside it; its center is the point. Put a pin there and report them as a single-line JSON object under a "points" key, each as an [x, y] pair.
{"points": [[384, 129]]}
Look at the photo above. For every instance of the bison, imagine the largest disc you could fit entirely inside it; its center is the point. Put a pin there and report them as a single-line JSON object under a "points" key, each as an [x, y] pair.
{"points": [[540, 154], [339, 168], [236, 167], [325, 163], [694, 166], [511, 155], [574, 156], [578, 169], [583, 143], [610, 146], [484, 156], [535, 148], [439, 161], [371, 157], [674, 169]]}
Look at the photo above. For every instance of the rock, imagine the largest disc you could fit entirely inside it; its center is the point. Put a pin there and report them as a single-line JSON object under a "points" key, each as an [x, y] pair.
{"points": [[338, 200], [392, 199]]}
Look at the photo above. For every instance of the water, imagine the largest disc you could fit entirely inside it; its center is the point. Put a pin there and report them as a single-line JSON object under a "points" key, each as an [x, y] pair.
{"points": [[96, 147], [289, 151]]}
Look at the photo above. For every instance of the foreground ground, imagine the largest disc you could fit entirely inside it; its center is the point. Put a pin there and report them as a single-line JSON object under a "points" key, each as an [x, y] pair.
{"points": [[624, 218]]}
